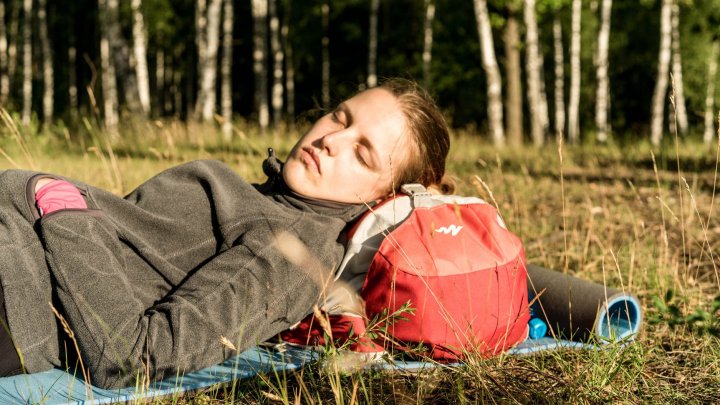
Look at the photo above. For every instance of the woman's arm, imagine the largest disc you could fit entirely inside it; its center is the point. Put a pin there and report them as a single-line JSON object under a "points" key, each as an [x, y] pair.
{"points": [[246, 294]]}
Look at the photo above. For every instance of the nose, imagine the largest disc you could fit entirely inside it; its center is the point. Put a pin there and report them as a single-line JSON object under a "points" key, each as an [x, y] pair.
{"points": [[334, 141]]}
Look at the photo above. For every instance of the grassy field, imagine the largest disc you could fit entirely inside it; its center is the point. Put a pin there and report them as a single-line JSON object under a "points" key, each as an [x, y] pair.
{"points": [[615, 214]]}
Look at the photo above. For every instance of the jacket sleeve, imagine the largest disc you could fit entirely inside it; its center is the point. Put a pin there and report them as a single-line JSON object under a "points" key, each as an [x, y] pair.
{"points": [[247, 294]]}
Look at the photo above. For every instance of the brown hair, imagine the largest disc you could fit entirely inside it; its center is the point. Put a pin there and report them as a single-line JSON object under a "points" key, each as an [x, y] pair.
{"points": [[431, 137]]}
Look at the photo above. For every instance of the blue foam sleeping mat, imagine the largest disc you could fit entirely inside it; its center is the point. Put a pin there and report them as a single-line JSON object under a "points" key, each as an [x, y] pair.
{"points": [[60, 387]]}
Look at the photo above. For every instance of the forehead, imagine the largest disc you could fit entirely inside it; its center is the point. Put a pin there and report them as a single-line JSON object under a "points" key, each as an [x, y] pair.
{"points": [[381, 121]]}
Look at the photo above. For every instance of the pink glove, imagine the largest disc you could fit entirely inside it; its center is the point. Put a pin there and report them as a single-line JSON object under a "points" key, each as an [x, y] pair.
{"points": [[58, 195]]}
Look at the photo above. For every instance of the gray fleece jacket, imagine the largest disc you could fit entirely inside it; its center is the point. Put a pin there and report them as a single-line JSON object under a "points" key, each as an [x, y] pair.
{"points": [[150, 283]]}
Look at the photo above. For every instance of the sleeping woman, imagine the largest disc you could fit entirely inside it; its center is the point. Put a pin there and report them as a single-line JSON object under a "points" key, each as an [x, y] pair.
{"points": [[149, 283]]}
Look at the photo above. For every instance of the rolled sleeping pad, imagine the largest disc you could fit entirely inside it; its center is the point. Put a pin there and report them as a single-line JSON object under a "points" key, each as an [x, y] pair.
{"points": [[574, 308]]}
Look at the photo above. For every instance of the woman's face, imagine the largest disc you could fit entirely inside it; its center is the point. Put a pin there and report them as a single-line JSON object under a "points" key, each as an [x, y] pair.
{"points": [[351, 154]]}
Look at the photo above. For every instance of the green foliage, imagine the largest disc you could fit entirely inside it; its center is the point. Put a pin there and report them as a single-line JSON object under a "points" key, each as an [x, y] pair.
{"points": [[702, 320], [457, 77]]}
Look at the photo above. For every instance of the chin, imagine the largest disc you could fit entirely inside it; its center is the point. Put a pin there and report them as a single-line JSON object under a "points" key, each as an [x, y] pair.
{"points": [[294, 179]]}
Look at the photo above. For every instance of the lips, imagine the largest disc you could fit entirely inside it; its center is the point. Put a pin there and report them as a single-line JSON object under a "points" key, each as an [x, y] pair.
{"points": [[311, 158]]}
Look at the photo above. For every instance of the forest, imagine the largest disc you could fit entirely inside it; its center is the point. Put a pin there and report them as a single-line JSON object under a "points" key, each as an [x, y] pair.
{"points": [[512, 70]]}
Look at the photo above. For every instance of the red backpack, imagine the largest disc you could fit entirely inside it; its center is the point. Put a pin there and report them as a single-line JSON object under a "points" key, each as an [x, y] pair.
{"points": [[449, 259]]}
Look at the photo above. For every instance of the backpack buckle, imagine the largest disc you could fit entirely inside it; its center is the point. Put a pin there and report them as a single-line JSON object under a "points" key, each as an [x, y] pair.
{"points": [[418, 194]]}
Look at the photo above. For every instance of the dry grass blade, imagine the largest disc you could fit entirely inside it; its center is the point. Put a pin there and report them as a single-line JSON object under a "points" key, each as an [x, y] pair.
{"points": [[227, 343], [324, 321], [10, 123], [71, 335], [272, 397]]}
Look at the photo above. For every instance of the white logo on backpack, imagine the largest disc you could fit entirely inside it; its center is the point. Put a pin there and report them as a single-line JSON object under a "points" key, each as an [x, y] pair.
{"points": [[451, 229]]}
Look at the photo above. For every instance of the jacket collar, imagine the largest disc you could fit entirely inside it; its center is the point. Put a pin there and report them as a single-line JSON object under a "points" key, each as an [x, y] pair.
{"points": [[276, 188]]}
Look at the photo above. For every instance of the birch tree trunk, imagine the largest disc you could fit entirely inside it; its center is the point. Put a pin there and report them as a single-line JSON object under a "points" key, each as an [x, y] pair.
{"points": [[372, 48], [140, 52], [48, 71], [201, 44], [290, 70], [559, 79], [278, 56], [574, 103], [27, 62], [4, 78], [72, 79], [679, 112], [658, 101], [164, 83], [206, 99], [710, 95], [494, 82], [325, 9], [158, 98], [513, 72], [259, 10], [120, 52], [13, 40], [226, 70], [427, 41], [109, 86], [543, 108], [533, 74], [603, 89]]}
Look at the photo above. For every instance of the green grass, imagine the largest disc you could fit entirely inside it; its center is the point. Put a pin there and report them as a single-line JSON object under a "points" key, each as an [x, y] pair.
{"points": [[626, 215]]}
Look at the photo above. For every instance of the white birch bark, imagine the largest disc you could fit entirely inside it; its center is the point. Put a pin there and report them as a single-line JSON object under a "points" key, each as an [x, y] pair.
{"points": [[123, 59], [278, 56], [209, 66], [428, 41], [201, 45], [200, 30], [226, 70], [110, 98], [559, 78], [533, 74], [372, 43], [289, 73], [679, 112], [259, 10], [513, 72], [494, 82], [4, 78], [709, 132], [658, 101], [72, 79], [13, 40], [27, 62], [574, 102], [603, 88], [140, 52], [48, 73], [325, 9]]}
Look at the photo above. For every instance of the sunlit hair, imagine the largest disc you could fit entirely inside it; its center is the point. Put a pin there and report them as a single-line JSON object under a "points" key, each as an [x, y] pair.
{"points": [[430, 136]]}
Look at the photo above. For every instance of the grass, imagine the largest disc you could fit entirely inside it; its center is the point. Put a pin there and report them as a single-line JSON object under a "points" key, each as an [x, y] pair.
{"points": [[623, 214]]}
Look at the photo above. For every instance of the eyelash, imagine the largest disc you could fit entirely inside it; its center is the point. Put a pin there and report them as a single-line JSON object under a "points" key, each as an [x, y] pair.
{"points": [[334, 116], [360, 158]]}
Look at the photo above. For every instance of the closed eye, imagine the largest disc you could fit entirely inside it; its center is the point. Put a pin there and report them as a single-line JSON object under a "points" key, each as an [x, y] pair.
{"points": [[336, 116], [360, 157]]}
